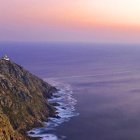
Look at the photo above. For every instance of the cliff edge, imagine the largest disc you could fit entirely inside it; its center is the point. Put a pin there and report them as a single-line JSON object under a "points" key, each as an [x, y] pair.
{"points": [[23, 101]]}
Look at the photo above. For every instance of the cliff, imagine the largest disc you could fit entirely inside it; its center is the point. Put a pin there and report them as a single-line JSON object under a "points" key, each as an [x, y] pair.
{"points": [[23, 101]]}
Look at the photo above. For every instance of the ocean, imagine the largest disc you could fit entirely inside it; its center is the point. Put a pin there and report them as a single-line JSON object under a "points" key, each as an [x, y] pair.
{"points": [[99, 87]]}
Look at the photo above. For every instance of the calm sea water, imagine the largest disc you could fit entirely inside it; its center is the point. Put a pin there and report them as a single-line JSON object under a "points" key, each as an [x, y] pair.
{"points": [[104, 81]]}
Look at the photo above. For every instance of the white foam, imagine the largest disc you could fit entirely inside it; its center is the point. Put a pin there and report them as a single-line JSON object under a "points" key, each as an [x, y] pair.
{"points": [[50, 137], [66, 110]]}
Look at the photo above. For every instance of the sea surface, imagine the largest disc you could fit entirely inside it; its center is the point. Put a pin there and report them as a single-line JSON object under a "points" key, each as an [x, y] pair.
{"points": [[99, 88]]}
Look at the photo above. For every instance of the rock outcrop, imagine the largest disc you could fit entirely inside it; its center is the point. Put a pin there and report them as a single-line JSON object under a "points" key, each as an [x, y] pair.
{"points": [[23, 101]]}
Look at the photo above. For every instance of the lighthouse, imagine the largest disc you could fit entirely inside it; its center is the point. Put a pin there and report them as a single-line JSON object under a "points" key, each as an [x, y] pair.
{"points": [[6, 58]]}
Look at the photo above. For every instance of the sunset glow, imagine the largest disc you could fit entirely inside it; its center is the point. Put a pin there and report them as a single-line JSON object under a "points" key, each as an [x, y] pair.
{"points": [[61, 20]]}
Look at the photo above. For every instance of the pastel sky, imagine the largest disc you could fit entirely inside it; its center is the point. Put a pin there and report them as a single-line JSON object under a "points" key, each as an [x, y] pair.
{"points": [[111, 21]]}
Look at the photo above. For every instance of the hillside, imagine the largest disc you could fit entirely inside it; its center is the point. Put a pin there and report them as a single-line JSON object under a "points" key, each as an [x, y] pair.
{"points": [[23, 101]]}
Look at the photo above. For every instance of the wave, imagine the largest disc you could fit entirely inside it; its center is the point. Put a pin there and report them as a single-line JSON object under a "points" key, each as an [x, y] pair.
{"points": [[66, 110], [93, 75]]}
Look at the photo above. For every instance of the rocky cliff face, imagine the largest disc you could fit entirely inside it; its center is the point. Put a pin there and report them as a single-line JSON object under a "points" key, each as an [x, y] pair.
{"points": [[23, 101]]}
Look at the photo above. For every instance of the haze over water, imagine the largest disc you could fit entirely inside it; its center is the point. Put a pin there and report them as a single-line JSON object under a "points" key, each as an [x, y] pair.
{"points": [[105, 80]]}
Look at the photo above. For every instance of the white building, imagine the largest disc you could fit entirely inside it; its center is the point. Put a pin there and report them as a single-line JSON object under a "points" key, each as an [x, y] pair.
{"points": [[6, 58]]}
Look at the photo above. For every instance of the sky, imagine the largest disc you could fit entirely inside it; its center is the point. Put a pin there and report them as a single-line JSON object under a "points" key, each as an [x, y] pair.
{"points": [[97, 21]]}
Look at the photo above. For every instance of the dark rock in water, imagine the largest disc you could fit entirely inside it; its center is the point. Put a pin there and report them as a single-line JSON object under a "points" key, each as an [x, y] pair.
{"points": [[57, 117], [64, 108], [32, 133], [55, 104], [23, 101], [56, 96]]}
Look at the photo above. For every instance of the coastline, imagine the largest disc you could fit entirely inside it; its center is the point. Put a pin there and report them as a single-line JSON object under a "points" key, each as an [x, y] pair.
{"points": [[64, 103]]}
